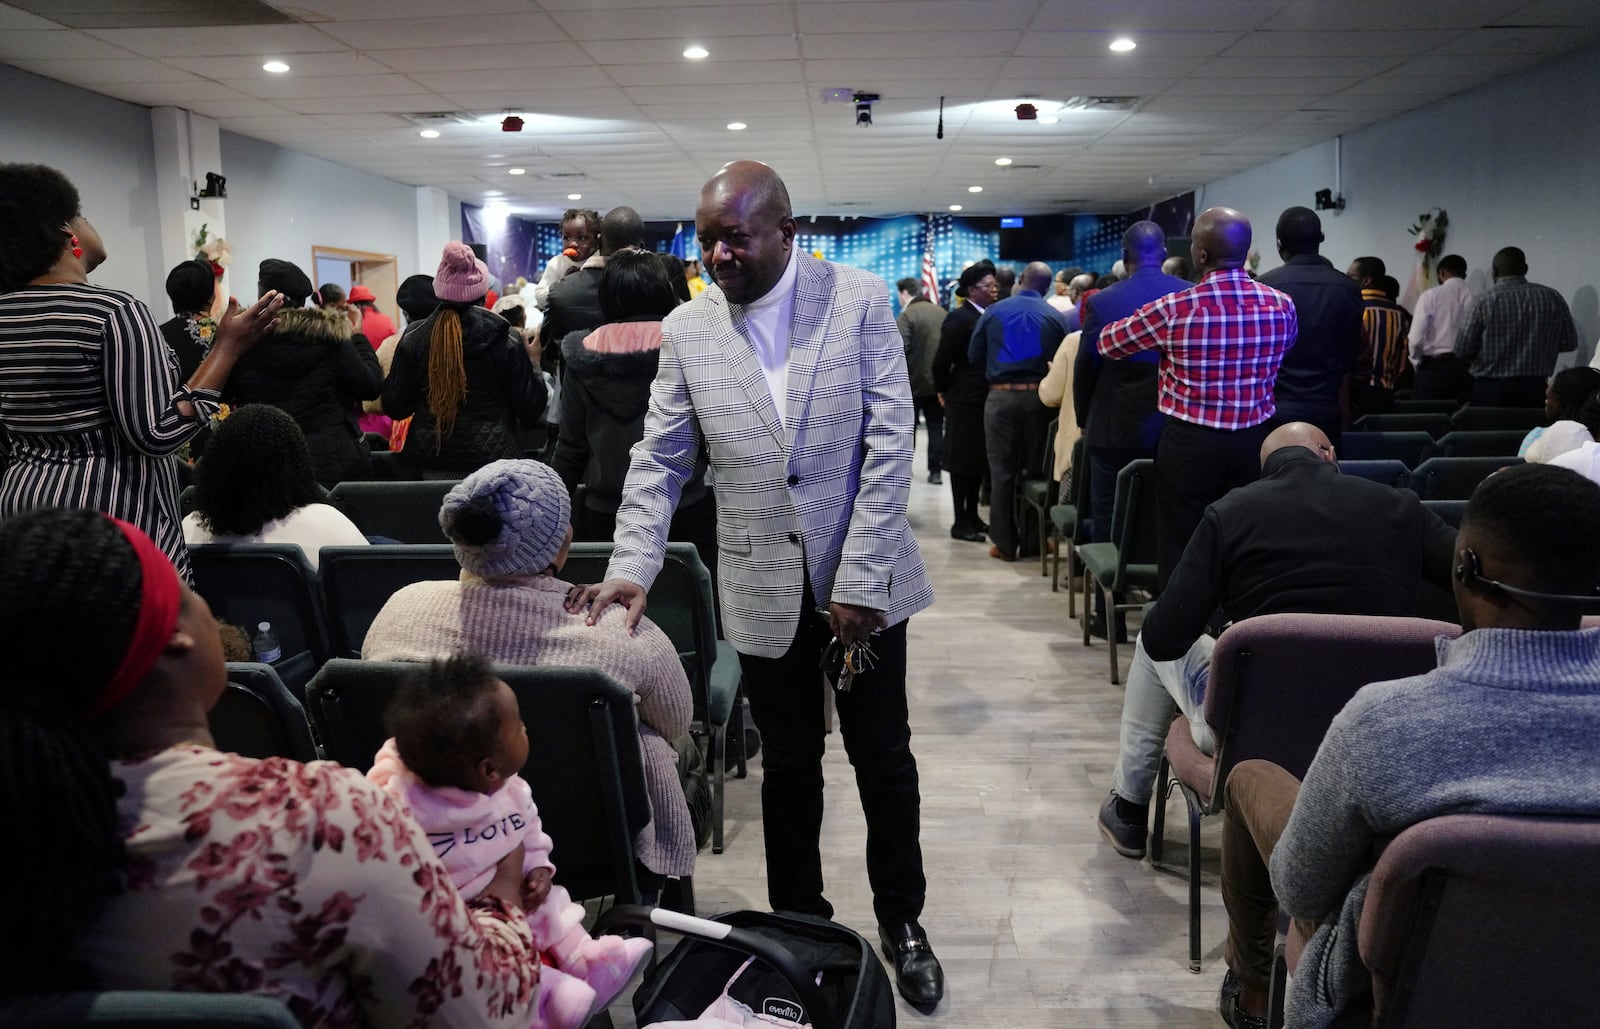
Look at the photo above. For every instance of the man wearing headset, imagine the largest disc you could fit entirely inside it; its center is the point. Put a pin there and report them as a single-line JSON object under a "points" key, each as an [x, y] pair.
{"points": [[1506, 724]]}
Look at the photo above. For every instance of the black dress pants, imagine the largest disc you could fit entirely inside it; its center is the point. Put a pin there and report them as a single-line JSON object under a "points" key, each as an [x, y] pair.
{"points": [[1196, 466], [932, 412], [1521, 391], [786, 703]]}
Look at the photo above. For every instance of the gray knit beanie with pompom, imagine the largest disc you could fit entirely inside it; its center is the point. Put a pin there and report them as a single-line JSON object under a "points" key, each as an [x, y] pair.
{"points": [[507, 518]]}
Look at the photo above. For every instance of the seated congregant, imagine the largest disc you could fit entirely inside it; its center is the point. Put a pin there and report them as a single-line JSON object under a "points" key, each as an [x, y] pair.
{"points": [[1506, 724], [155, 862], [510, 522], [1303, 538], [254, 484]]}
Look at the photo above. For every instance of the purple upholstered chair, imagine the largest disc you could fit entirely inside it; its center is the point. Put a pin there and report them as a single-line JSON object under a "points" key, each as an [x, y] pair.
{"points": [[1275, 684], [1481, 920]]}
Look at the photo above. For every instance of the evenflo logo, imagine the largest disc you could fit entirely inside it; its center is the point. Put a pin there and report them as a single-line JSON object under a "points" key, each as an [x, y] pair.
{"points": [[788, 1010]]}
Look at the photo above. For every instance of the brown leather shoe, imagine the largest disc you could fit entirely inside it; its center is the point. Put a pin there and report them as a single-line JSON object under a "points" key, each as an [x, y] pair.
{"points": [[995, 553]]}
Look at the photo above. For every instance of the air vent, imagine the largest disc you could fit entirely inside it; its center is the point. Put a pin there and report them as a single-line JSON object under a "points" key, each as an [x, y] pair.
{"points": [[1100, 103], [1022, 167], [433, 119], [563, 176], [169, 14]]}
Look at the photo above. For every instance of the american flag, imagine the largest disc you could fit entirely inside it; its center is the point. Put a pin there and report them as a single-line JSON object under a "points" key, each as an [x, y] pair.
{"points": [[930, 277]]}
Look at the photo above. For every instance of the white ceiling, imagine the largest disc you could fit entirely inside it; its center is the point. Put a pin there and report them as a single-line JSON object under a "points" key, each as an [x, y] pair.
{"points": [[1223, 85]]}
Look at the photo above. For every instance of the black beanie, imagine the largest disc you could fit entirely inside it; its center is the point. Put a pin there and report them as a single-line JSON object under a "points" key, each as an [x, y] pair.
{"points": [[190, 287], [415, 297], [287, 278]]}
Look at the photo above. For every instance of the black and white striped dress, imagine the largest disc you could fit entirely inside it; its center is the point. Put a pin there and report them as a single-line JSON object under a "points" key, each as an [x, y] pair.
{"points": [[89, 395]]}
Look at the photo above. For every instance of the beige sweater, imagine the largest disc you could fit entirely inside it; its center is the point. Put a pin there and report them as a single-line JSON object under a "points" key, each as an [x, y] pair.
{"points": [[523, 622]]}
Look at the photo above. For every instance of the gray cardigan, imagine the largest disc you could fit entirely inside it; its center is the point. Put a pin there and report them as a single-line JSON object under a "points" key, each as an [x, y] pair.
{"points": [[1507, 725], [524, 622]]}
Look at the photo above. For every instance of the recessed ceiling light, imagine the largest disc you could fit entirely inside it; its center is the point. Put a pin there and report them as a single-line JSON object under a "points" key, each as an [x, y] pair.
{"points": [[1048, 119], [429, 133], [697, 53], [737, 126], [1002, 161], [955, 207], [516, 171], [974, 189], [275, 67], [574, 196], [1122, 45]]}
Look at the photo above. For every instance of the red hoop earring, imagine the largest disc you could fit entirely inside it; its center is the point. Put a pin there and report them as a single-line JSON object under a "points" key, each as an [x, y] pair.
{"points": [[77, 251]]}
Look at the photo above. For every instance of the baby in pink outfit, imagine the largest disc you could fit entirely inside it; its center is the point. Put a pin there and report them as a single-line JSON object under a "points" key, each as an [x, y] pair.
{"points": [[458, 743]]}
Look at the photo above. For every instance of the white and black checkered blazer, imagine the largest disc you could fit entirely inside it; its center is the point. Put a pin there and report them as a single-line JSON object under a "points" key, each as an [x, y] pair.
{"points": [[829, 487]]}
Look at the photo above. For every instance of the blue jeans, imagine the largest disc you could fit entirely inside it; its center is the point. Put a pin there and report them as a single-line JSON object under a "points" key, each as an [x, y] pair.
{"points": [[1157, 691]]}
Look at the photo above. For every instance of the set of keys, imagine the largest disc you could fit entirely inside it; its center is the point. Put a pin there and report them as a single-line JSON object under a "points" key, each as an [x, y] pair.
{"points": [[843, 662]]}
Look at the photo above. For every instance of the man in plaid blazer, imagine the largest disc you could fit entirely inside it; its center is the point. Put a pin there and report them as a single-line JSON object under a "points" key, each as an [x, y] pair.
{"points": [[790, 376]]}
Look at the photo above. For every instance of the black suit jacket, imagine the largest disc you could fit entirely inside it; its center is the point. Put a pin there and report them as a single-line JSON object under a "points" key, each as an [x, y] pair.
{"points": [[1327, 304], [962, 383]]}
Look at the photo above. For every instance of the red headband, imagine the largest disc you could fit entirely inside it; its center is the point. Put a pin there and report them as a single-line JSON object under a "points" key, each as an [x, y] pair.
{"points": [[159, 594]]}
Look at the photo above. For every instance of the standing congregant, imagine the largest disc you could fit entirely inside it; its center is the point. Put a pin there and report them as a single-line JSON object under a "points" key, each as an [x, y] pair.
{"points": [[791, 377]]}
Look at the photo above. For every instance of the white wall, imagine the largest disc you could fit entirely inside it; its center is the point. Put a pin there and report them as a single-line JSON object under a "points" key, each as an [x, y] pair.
{"points": [[282, 202], [1514, 163], [104, 147]]}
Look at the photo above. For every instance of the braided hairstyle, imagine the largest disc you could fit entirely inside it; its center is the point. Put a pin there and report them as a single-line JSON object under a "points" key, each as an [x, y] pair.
{"points": [[67, 616], [35, 202], [447, 370], [256, 469]]}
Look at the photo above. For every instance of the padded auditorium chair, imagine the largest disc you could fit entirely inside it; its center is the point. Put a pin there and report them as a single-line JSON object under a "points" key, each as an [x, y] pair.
{"points": [[1128, 562], [358, 581], [407, 512], [1275, 685], [258, 717], [1411, 448], [1390, 473], [250, 583], [1454, 478]]}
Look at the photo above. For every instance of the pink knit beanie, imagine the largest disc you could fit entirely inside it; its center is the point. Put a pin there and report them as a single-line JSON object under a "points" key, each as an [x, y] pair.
{"points": [[461, 277]]}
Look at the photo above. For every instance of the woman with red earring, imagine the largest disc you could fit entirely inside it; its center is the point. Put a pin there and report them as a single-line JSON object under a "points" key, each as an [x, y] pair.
{"points": [[93, 406]]}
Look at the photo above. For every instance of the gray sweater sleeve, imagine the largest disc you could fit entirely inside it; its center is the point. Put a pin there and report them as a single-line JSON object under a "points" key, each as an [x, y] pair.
{"points": [[1328, 842]]}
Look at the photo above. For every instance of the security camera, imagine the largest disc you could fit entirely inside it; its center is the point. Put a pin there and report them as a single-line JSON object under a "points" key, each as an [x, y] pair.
{"points": [[1326, 201], [216, 186], [864, 102]]}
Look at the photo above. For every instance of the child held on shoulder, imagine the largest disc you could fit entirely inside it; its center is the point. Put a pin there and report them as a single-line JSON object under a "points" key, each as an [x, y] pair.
{"points": [[457, 743]]}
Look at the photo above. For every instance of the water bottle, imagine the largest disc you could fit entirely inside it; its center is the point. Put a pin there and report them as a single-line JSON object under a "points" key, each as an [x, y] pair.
{"points": [[266, 645]]}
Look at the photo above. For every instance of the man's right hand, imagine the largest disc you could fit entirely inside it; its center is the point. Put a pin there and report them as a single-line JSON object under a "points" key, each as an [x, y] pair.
{"points": [[613, 591]]}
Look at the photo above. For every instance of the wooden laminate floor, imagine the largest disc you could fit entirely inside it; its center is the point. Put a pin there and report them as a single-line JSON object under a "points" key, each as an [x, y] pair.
{"points": [[1037, 921]]}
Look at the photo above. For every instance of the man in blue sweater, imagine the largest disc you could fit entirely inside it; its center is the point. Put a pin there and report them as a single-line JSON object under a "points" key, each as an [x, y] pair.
{"points": [[1506, 724]]}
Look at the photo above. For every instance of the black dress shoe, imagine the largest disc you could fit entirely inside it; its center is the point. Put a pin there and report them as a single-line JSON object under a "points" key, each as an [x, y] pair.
{"points": [[935, 479], [966, 532], [982, 525], [916, 971]]}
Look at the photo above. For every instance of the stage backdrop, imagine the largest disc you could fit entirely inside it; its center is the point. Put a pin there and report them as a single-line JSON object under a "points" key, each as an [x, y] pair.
{"points": [[891, 248]]}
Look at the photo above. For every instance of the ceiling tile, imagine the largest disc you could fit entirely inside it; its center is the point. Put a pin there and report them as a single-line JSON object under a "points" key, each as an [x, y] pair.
{"points": [[281, 87], [708, 76], [482, 58], [1341, 43], [366, 10], [13, 20], [1457, 14], [1525, 39], [265, 40], [406, 33], [941, 15], [684, 24], [58, 45], [923, 46], [1294, 67], [300, 65], [131, 70], [1156, 16], [1152, 44], [658, 51], [526, 78]]}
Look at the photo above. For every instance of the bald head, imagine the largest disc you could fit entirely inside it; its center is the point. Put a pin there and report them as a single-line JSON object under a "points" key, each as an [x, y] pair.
{"points": [[1297, 434], [1144, 245], [754, 178], [1035, 277], [1221, 240], [746, 229]]}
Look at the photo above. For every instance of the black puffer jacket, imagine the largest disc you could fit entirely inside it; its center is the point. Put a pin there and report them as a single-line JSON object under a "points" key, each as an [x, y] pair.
{"points": [[502, 390], [605, 391], [312, 367]]}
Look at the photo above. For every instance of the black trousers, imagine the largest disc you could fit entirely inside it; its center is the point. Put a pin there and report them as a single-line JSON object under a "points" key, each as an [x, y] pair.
{"points": [[1014, 425], [1442, 378], [932, 412], [786, 702], [1196, 466]]}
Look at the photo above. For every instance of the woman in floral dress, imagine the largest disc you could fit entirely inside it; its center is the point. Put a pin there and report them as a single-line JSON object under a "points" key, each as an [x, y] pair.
{"points": [[155, 862]]}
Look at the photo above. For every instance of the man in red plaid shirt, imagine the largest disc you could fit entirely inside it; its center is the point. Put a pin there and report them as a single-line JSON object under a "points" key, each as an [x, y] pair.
{"points": [[1221, 342]]}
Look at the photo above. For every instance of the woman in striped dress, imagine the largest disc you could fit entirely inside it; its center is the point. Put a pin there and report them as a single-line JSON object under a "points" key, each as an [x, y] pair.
{"points": [[89, 391]]}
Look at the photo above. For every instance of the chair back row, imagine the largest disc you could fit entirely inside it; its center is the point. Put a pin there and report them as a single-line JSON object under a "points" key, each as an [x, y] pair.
{"points": [[1438, 478], [1469, 417], [1415, 447]]}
